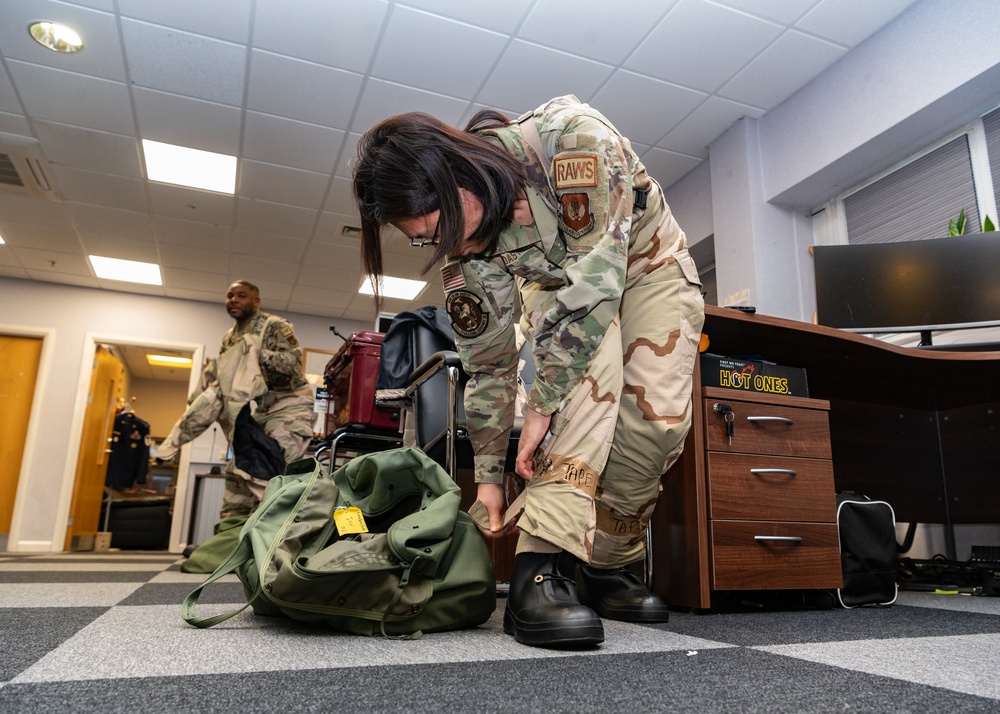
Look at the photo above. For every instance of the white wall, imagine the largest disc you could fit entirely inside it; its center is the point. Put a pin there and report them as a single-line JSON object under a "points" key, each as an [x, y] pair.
{"points": [[72, 315]]}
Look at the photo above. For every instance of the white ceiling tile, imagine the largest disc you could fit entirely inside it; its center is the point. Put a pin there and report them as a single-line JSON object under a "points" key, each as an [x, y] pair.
{"points": [[552, 74], [783, 11], [182, 256], [101, 56], [306, 295], [667, 166], [276, 88], [693, 135], [208, 282], [184, 63], [782, 68], [330, 229], [184, 121], [222, 19], [14, 207], [51, 261], [665, 105], [13, 271], [89, 149], [682, 50], [287, 142], [33, 235], [327, 255], [348, 154], [342, 279], [277, 270], [258, 215], [268, 245], [127, 287], [436, 54], [583, 30], [382, 100], [185, 294], [193, 234], [337, 33], [8, 97], [88, 218], [80, 186], [15, 124], [72, 98], [341, 199], [851, 21], [112, 247], [281, 184], [190, 204], [328, 311], [80, 280], [478, 12]]}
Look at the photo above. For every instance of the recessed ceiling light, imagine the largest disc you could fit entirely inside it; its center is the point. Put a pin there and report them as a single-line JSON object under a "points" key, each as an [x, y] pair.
{"points": [[130, 271], [1, 240], [400, 288], [194, 168], [55, 36], [169, 361]]}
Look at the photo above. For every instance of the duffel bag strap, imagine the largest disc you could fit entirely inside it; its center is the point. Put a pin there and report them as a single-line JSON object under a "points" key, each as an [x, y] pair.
{"points": [[404, 579], [241, 554]]}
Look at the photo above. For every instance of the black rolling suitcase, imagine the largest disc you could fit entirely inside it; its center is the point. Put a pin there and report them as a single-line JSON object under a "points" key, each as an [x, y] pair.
{"points": [[867, 551]]}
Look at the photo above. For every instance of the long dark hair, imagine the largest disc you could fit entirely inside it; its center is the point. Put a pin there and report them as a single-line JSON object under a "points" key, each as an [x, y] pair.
{"points": [[413, 164]]}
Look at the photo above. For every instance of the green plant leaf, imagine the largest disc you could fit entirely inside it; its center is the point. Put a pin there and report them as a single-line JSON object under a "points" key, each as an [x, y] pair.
{"points": [[988, 226]]}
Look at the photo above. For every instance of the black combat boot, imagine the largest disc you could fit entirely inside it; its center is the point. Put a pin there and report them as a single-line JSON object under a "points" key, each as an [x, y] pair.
{"points": [[620, 594], [542, 606]]}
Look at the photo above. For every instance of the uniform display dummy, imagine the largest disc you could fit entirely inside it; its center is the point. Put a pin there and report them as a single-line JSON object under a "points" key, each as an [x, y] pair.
{"points": [[128, 462]]}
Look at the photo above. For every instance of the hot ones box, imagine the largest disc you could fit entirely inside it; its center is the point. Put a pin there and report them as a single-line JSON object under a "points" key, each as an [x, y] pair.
{"points": [[752, 375]]}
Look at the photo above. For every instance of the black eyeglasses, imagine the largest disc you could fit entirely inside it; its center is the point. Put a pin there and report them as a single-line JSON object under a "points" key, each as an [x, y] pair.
{"points": [[433, 240]]}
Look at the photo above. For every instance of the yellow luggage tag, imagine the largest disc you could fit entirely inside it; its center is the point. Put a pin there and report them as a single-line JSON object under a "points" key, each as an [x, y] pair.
{"points": [[349, 520]]}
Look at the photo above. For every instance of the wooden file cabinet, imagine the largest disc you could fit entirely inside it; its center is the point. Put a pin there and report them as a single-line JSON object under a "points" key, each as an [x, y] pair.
{"points": [[767, 506], [771, 503]]}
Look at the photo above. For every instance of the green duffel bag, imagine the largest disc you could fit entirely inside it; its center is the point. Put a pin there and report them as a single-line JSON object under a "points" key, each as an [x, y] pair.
{"points": [[207, 556], [409, 562]]}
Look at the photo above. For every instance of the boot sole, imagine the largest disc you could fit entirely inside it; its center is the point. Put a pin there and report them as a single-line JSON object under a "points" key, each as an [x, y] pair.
{"points": [[553, 634], [629, 615]]}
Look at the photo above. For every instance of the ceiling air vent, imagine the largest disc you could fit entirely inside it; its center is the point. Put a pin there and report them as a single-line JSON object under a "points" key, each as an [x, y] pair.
{"points": [[23, 169]]}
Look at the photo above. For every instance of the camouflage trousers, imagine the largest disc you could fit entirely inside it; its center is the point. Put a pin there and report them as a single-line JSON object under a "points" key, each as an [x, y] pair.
{"points": [[597, 473], [289, 421]]}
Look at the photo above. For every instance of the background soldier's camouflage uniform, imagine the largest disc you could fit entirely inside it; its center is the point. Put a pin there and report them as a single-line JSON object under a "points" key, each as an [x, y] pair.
{"points": [[261, 362], [612, 303]]}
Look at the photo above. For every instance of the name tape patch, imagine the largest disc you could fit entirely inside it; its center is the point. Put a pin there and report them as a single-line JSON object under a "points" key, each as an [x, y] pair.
{"points": [[575, 171]]}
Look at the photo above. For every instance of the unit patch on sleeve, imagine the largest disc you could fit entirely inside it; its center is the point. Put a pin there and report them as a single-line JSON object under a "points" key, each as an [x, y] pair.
{"points": [[466, 312], [577, 219], [575, 170]]}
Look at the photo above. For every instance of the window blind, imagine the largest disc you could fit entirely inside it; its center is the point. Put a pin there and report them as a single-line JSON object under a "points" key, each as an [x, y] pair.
{"points": [[917, 201], [991, 125]]}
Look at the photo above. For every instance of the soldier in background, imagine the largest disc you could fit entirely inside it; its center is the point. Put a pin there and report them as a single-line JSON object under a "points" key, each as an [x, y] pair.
{"points": [[260, 361], [557, 210]]}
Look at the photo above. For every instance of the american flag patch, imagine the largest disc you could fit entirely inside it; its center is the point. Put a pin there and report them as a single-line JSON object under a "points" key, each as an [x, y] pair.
{"points": [[452, 277]]}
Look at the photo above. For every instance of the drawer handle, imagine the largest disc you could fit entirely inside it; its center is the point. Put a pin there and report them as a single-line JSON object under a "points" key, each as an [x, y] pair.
{"points": [[789, 472], [783, 420], [782, 539]]}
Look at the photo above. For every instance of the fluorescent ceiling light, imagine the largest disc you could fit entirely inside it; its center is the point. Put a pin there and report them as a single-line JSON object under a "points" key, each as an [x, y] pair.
{"points": [[400, 288], [1, 240], [168, 361], [56, 37], [193, 168], [130, 271]]}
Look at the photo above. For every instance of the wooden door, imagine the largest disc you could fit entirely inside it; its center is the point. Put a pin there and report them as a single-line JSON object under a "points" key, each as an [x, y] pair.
{"points": [[106, 381], [19, 357]]}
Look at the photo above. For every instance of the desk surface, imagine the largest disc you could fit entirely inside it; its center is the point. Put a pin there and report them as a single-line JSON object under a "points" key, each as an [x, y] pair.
{"points": [[839, 363]]}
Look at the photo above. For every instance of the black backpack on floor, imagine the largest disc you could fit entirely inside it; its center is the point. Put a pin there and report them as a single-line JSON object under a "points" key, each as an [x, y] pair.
{"points": [[867, 551]]}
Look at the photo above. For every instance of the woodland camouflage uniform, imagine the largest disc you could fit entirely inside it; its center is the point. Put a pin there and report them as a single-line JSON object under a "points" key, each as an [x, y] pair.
{"points": [[612, 303]]}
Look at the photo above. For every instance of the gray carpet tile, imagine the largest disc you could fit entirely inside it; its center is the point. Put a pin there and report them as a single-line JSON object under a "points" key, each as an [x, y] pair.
{"points": [[174, 593], [86, 576], [726, 680], [772, 628], [28, 634]]}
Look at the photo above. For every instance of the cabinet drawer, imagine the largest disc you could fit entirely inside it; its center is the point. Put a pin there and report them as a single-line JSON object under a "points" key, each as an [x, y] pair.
{"points": [[769, 429], [764, 555], [770, 488]]}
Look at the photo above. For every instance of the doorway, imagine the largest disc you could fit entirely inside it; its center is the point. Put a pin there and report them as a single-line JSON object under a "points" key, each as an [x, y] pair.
{"points": [[156, 503]]}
